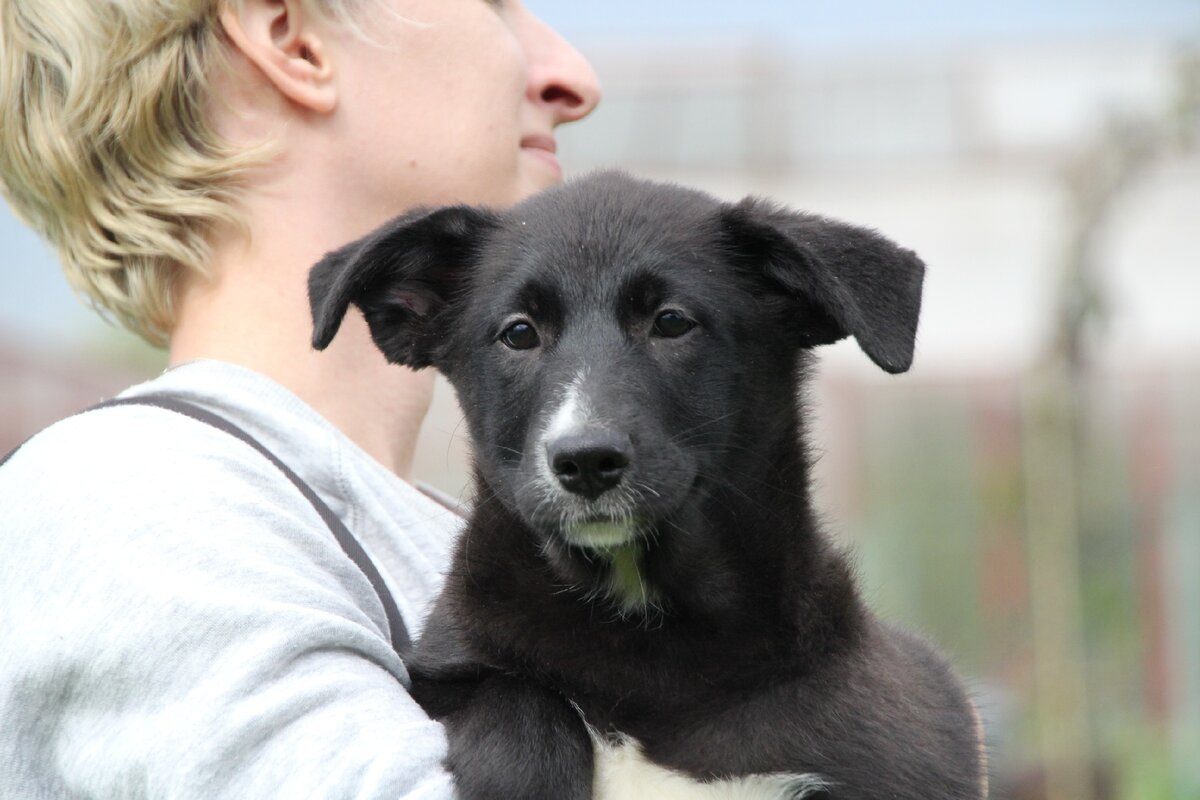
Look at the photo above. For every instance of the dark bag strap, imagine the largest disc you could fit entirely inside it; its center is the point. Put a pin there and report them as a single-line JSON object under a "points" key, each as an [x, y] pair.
{"points": [[399, 634]]}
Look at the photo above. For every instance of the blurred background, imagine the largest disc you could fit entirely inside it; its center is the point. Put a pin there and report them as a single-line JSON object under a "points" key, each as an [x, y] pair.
{"points": [[1029, 494]]}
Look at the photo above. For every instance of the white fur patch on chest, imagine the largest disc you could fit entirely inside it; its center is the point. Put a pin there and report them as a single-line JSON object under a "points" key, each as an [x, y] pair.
{"points": [[623, 773]]}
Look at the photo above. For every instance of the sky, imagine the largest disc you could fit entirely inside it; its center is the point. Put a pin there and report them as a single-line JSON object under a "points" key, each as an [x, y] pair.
{"points": [[857, 23], [34, 299]]}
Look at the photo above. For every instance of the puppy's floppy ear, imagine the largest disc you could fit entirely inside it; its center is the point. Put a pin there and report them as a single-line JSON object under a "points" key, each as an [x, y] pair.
{"points": [[400, 276], [850, 281]]}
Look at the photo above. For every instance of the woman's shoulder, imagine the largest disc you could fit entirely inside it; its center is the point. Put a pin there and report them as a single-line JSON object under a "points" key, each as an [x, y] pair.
{"points": [[110, 473], [125, 448], [133, 494], [135, 447]]}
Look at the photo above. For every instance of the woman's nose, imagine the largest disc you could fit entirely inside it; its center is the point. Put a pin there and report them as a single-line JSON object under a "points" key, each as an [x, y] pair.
{"points": [[559, 76]]}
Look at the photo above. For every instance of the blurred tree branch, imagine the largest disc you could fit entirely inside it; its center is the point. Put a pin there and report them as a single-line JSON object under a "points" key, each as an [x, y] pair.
{"points": [[1055, 406]]}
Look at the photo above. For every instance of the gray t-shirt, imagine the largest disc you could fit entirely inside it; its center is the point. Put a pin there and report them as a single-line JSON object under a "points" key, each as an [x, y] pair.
{"points": [[176, 621]]}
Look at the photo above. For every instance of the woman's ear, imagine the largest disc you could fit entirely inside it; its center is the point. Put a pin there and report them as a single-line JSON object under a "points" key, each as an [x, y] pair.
{"points": [[283, 42]]}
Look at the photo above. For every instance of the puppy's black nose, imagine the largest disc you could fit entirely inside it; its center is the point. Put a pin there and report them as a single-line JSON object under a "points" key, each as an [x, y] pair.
{"points": [[589, 463]]}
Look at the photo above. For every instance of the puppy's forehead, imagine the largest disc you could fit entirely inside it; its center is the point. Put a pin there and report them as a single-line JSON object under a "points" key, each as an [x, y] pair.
{"points": [[592, 235]]}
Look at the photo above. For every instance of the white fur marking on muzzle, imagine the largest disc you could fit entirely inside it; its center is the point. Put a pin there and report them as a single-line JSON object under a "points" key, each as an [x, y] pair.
{"points": [[571, 416]]}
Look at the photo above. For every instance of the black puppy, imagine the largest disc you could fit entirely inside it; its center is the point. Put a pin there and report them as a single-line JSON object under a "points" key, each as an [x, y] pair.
{"points": [[643, 604]]}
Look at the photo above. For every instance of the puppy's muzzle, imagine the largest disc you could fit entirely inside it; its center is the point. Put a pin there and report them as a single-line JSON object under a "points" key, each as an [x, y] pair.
{"points": [[589, 463]]}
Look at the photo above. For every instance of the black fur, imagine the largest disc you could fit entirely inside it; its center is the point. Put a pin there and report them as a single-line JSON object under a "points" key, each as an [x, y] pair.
{"points": [[754, 653]]}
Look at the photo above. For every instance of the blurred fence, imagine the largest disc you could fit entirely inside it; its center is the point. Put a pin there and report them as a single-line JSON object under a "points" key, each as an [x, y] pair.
{"points": [[933, 483]]}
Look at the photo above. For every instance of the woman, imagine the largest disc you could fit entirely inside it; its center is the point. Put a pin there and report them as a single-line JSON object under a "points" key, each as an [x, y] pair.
{"points": [[178, 621]]}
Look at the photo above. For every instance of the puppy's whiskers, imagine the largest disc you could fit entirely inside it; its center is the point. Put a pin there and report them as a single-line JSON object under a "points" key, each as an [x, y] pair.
{"points": [[688, 431]]}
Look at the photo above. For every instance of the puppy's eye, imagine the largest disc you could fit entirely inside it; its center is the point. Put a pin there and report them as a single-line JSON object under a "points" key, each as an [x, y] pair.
{"points": [[671, 324], [520, 336]]}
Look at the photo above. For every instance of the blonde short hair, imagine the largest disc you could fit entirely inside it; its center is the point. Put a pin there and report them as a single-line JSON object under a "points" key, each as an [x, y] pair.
{"points": [[106, 148]]}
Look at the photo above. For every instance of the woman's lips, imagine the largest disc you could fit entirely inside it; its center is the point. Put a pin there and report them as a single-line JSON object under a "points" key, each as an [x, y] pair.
{"points": [[544, 148]]}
